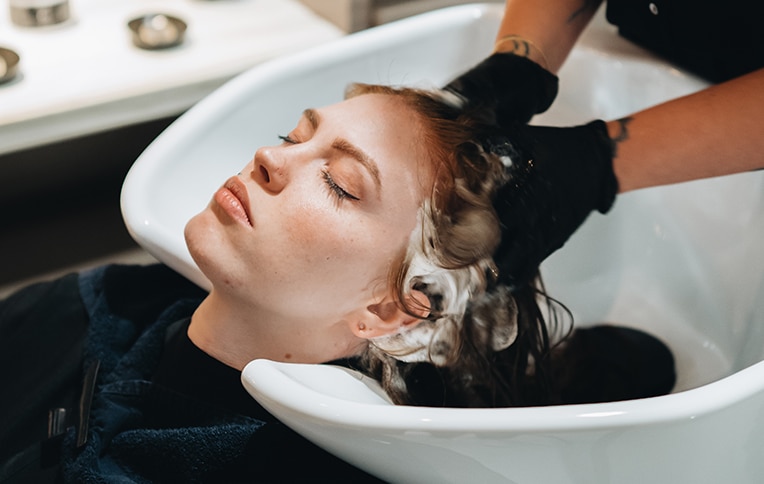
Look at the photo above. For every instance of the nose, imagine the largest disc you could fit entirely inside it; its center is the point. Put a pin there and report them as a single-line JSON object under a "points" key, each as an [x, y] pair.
{"points": [[269, 170]]}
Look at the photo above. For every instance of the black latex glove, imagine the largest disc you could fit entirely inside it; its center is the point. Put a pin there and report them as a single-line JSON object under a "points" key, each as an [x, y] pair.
{"points": [[513, 87], [557, 178]]}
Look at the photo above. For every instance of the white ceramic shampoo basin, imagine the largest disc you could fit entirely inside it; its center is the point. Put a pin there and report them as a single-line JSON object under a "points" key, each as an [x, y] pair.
{"points": [[683, 262]]}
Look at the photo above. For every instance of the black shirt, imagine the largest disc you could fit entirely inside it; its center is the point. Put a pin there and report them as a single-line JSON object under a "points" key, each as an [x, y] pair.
{"points": [[715, 40]]}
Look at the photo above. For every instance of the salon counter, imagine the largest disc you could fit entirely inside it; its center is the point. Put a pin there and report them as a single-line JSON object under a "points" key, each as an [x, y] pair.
{"points": [[85, 76]]}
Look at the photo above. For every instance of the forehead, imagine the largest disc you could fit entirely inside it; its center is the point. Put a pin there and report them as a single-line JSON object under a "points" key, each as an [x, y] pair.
{"points": [[387, 128], [381, 113]]}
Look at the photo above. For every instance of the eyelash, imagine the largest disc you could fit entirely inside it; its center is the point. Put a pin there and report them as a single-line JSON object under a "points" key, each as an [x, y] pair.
{"points": [[334, 188], [337, 190]]}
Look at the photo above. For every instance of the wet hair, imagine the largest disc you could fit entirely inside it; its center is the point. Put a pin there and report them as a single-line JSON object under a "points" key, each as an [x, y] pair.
{"points": [[483, 344]]}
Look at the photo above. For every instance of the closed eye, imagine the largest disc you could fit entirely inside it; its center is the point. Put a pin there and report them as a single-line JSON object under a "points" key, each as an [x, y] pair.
{"points": [[335, 189]]}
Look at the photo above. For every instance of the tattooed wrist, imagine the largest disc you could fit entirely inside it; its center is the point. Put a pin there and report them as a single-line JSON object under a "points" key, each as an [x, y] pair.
{"points": [[622, 134], [520, 46]]}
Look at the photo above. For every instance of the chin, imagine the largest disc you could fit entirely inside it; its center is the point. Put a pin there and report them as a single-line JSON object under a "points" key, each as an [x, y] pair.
{"points": [[214, 252], [204, 243]]}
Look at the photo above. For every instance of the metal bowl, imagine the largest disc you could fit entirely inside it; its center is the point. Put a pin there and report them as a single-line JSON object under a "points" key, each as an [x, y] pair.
{"points": [[40, 14], [157, 31], [9, 63]]}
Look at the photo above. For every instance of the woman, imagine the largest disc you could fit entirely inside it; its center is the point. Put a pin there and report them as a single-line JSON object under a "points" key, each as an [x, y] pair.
{"points": [[366, 236], [372, 230]]}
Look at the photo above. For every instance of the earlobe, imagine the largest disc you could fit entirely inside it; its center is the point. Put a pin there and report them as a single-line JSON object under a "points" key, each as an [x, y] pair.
{"points": [[386, 317]]}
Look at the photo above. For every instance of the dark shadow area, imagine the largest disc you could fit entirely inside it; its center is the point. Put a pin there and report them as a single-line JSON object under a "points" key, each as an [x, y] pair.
{"points": [[59, 203]]}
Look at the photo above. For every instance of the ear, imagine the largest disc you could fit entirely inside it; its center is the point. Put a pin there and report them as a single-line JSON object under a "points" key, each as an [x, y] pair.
{"points": [[385, 317]]}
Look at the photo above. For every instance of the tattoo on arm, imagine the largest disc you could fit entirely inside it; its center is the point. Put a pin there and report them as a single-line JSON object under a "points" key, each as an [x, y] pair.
{"points": [[586, 6], [623, 133], [518, 46]]}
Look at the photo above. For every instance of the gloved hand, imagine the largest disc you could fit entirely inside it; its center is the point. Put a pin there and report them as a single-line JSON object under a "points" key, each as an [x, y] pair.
{"points": [[513, 87], [557, 177]]}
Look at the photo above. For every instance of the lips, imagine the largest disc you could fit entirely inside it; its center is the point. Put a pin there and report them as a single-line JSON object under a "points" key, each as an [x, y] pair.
{"points": [[232, 197]]}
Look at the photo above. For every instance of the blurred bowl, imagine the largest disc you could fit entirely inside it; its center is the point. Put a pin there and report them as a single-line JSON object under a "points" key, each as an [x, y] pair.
{"points": [[157, 31], [9, 63], [39, 14]]}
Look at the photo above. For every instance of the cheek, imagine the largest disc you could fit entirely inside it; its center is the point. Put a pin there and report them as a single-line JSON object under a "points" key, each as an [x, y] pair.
{"points": [[321, 236], [311, 224], [344, 246]]}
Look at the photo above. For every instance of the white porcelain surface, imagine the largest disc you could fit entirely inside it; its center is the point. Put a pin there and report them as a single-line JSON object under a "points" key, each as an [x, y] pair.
{"points": [[683, 262]]}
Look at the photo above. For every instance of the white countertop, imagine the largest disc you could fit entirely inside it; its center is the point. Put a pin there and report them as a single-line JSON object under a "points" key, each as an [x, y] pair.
{"points": [[85, 75]]}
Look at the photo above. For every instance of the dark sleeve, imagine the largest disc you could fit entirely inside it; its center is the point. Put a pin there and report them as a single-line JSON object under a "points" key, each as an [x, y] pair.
{"points": [[141, 293], [42, 331], [718, 41]]}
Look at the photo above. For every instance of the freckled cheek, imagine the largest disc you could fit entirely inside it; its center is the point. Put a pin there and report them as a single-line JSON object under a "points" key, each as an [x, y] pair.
{"points": [[316, 230], [338, 246]]}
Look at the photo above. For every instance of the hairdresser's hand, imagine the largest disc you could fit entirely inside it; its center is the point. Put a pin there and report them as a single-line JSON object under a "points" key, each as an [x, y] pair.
{"points": [[557, 177], [511, 87]]}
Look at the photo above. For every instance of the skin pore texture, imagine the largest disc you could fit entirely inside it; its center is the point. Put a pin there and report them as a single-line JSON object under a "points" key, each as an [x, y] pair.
{"points": [[298, 246]]}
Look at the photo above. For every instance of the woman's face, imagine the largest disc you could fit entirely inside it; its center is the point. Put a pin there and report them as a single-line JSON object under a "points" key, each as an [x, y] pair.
{"points": [[311, 226]]}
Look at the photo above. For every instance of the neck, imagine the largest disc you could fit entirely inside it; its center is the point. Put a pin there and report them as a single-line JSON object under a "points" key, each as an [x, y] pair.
{"points": [[236, 334]]}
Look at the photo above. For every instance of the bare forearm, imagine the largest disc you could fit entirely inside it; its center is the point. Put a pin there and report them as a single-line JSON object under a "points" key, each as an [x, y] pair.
{"points": [[549, 26], [717, 131]]}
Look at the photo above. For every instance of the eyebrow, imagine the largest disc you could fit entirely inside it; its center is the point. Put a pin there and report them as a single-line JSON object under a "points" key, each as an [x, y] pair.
{"points": [[345, 146]]}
